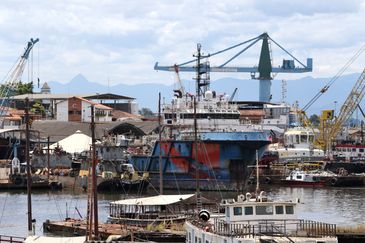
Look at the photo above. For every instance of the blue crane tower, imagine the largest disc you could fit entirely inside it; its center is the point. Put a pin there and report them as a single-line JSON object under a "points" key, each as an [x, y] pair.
{"points": [[264, 69]]}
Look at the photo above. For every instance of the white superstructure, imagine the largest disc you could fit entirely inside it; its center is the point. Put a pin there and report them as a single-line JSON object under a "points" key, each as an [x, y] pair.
{"points": [[250, 220]]}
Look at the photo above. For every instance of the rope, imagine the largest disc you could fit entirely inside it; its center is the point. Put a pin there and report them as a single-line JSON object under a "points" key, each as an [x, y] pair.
{"points": [[214, 175], [334, 78], [3, 210]]}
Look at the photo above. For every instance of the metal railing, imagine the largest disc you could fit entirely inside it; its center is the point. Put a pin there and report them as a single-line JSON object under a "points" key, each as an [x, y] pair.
{"points": [[11, 239], [296, 228]]}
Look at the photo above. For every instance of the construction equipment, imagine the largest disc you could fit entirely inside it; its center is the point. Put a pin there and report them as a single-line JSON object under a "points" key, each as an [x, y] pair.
{"points": [[347, 109], [264, 68], [181, 86], [12, 80]]}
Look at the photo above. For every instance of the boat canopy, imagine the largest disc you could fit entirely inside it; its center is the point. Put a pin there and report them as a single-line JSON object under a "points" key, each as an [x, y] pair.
{"points": [[45, 239], [155, 200]]}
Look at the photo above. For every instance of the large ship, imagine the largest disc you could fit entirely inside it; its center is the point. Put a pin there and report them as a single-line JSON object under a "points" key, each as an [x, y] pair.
{"points": [[202, 137]]}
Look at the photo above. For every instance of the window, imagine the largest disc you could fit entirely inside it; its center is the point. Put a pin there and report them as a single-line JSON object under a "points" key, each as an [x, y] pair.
{"points": [[279, 209], [299, 177], [354, 150], [361, 150], [264, 210], [227, 211], [289, 209], [237, 211], [248, 210]]}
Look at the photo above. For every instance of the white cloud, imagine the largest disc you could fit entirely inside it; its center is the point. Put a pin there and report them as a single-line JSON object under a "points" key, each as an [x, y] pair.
{"points": [[121, 40]]}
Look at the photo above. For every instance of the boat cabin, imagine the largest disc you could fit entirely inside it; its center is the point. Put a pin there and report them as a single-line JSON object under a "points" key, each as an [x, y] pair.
{"points": [[142, 211], [247, 208]]}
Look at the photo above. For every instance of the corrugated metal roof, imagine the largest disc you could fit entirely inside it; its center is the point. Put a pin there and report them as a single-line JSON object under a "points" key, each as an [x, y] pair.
{"points": [[155, 200]]}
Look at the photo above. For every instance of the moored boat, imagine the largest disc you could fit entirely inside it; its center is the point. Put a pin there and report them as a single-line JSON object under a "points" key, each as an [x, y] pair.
{"points": [[250, 220], [303, 178]]}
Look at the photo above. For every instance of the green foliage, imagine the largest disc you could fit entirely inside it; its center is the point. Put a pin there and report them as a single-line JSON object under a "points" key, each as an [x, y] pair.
{"points": [[21, 88], [38, 108], [24, 88], [146, 112], [314, 119]]}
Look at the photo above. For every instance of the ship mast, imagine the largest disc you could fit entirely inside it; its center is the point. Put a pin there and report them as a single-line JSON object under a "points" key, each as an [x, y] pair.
{"points": [[159, 140], [202, 82], [93, 198], [29, 177]]}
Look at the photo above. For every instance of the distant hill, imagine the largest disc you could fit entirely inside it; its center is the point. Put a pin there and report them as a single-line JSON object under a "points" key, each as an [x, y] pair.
{"points": [[301, 90]]}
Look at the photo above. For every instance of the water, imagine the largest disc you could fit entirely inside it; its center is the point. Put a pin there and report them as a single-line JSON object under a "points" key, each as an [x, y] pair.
{"points": [[343, 206]]}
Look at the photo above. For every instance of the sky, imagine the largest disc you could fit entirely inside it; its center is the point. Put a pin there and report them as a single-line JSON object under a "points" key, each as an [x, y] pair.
{"points": [[119, 41]]}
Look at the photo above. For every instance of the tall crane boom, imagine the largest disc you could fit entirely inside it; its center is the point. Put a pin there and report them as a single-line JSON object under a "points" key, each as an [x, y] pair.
{"points": [[13, 79], [348, 108], [264, 67]]}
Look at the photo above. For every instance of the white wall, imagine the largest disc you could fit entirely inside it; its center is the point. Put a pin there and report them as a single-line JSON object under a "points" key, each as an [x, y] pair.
{"points": [[62, 111]]}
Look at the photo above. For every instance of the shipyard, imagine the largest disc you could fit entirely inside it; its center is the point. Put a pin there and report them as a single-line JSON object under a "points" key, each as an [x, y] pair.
{"points": [[221, 126]]}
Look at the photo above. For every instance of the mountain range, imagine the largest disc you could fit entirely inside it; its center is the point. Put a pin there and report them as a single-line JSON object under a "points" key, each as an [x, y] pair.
{"points": [[297, 90]]}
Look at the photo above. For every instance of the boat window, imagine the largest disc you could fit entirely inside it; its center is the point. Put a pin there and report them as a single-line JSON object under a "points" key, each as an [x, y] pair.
{"points": [[354, 150], [248, 210], [279, 209], [289, 209], [361, 150], [311, 138], [303, 138], [296, 139], [227, 211], [299, 177], [237, 211], [264, 210]]}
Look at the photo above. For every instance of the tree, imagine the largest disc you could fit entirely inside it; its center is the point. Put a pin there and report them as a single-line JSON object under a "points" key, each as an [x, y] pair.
{"points": [[314, 119], [24, 88], [146, 112], [21, 88], [38, 108]]}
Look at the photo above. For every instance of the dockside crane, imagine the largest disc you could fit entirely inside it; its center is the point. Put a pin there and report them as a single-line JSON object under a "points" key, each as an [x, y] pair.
{"points": [[12, 79], [347, 109], [264, 69]]}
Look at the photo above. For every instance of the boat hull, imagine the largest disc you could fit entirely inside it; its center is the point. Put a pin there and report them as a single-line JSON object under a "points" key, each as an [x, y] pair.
{"points": [[303, 183], [220, 162]]}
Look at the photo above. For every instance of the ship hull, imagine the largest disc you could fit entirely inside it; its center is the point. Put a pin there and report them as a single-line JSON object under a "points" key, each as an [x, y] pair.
{"points": [[220, 164]]}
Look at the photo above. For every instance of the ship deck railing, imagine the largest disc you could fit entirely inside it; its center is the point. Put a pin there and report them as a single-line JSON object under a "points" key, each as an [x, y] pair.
{"points": [[11, 239], [286, 228]]}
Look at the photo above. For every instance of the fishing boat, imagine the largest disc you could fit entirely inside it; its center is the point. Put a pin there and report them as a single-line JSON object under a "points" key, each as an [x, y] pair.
{"points": [[257, 219]]}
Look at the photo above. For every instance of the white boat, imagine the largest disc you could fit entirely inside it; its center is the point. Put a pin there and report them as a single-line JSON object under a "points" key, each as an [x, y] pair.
{"points": [[303, 178], [298, 146], [250, 220]]}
